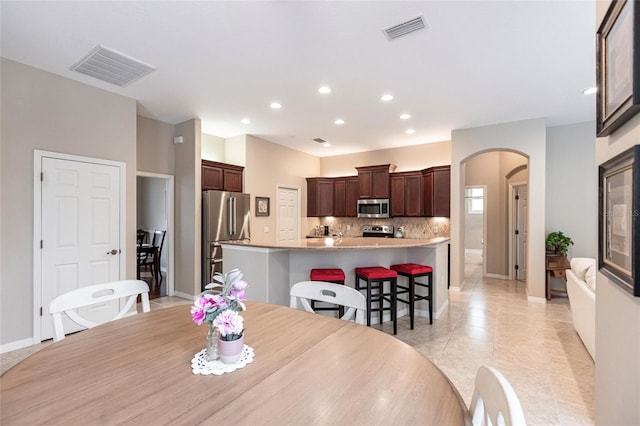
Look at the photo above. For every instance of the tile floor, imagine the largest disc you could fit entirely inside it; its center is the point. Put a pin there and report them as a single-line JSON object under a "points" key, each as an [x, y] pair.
{"points": [[534, 345], [490, 322]]}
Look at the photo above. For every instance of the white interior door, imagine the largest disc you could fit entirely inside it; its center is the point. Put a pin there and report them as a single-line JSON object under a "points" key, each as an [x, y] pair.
{"points": [[80, 233], [521, 226], [287, 214]]}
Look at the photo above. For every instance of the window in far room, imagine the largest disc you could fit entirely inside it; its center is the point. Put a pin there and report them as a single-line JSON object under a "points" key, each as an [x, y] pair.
{"points": [[475, 200]]}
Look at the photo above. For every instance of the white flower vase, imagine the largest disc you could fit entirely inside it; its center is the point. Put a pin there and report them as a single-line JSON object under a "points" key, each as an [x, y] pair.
{"points": [[230, 351]]}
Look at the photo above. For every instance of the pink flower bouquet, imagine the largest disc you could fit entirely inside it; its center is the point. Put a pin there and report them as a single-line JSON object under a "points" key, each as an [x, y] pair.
{"points": [[219, 305]]}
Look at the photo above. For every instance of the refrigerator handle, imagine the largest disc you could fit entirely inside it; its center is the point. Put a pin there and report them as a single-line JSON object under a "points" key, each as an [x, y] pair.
{"points": [[234, 222], [230, 215]]}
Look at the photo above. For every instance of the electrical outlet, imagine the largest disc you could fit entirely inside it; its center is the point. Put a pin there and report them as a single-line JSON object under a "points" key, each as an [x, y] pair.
{"points": [[348, 227], [266, 229]]}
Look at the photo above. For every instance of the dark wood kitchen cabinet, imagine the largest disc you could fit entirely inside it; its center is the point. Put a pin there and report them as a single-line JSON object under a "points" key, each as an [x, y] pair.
{"points": [[221, 176], [436, 191], [374, 180], [319, 197], [406, 194], [352, 195], [345, 196]]}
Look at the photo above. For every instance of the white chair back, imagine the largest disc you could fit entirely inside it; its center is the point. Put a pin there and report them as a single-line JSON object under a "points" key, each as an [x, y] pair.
{"points": [[494, 401], [337, 294], [93, 294]]}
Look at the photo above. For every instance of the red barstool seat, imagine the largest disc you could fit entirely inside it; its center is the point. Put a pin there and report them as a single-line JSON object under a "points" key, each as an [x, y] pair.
{"points": [[331, 275], [375, 277], [413, 271]]}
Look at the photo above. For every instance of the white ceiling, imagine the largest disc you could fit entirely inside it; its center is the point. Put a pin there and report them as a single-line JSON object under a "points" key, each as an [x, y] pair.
{"points": [[477, 63]]}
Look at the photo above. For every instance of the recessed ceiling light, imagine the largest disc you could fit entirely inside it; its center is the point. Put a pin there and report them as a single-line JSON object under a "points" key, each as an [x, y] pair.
{"points": [[405, 116], [275, 105], [339, 121], [326, 144], [590, 91], [410, 131], [245, 121], [324, 89], [386, 97]]}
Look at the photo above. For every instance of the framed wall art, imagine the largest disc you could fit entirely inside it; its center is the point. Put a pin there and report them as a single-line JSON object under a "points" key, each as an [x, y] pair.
{"points": [[618, 66], [262, 206], [619, 233]]}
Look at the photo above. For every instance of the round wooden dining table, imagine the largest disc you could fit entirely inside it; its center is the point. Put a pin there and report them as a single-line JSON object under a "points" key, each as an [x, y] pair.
{"points": [[308, 369]]}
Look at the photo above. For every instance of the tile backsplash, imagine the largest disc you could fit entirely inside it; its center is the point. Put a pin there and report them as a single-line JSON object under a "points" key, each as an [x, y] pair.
{"points": [[414, 227]]}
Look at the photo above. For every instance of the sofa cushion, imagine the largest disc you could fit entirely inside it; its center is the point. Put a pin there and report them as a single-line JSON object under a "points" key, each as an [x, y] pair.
{"points": [[590, 277], [579, 266]]}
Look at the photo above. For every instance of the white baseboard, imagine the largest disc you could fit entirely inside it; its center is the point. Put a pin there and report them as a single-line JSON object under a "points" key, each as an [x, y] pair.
{"points": [[19, 344], [184, 295], [536, 299], [456, 288], [496, 276]]}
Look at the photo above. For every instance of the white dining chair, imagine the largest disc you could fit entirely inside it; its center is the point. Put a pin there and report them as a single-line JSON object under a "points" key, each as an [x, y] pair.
{"points": [[494, 401], [322, 291], [68, 302]]}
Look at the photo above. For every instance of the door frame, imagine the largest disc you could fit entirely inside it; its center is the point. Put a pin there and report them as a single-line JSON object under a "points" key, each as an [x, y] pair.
{"points": [[38, 155], [512, 226], [293, 188], [169, 211]]}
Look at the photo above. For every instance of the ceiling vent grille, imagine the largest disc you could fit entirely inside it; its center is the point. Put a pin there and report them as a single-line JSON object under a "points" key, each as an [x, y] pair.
{"points": [[111, 66], [319, 140], [405, 28]]}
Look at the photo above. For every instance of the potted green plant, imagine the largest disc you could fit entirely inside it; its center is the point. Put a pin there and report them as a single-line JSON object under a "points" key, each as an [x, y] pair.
{"points": [[558, 243]]}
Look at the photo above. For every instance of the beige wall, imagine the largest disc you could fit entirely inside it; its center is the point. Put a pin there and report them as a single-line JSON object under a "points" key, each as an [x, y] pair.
{"points": [[188, 209], [213, 148], [524, 137], [416, 157], [267, 166], [44, 111], [235, 150], [154, 146], [617, 313], [572, 184]]}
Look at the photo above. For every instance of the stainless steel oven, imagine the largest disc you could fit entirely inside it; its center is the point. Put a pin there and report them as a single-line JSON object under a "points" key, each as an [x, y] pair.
{"points": [[373, 208]]}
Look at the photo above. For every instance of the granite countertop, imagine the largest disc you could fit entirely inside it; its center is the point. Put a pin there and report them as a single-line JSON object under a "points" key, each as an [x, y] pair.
{"points": [[346, 243]]}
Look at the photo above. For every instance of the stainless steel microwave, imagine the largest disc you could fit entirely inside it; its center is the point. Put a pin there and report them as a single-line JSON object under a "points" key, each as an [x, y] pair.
{"points": [[374, 208]]}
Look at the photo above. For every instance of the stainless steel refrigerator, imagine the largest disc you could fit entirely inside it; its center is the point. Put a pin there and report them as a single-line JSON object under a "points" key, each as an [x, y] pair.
{"points": [[225, 217]]}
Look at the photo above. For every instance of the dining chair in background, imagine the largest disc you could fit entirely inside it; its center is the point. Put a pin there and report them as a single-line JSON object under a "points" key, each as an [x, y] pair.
{"points": [[152, 258], [67, 303], [321, 291], [494, 401]]}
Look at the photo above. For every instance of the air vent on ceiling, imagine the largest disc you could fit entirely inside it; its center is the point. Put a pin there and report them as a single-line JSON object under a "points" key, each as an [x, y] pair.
{"points": [[407, 27], [111, 66], [319, 140]]}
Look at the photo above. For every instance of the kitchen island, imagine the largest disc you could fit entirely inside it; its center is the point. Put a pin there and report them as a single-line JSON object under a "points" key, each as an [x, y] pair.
{"points": [[271, 269]]}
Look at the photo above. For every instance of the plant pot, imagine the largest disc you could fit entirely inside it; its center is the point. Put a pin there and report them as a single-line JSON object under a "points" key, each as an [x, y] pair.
{"points": [[230, 352]]}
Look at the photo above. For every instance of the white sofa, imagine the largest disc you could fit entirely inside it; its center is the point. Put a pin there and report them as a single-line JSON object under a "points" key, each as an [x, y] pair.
{"points": [[581, 288]]}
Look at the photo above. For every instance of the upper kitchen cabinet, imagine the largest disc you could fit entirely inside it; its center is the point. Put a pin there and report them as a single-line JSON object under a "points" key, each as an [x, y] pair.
{"points": [[374, 180], [345, 196], [221, 176], [436, 187], [319, 197], [406, 194]]}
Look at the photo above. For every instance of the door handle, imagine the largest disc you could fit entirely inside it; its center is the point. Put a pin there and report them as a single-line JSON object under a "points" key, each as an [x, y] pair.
{"points": [[114, 251]]}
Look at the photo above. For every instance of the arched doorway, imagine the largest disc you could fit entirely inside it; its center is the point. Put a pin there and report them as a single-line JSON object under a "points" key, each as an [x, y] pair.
{"points": [[503, 177]]}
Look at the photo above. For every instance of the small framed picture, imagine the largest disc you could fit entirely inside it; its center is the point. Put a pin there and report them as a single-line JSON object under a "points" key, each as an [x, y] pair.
{"points": [[262, 206], [619, 235]]}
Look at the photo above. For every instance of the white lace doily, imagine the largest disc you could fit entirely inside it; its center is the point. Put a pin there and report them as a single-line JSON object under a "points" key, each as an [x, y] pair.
{"points": [[199, 365]]}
